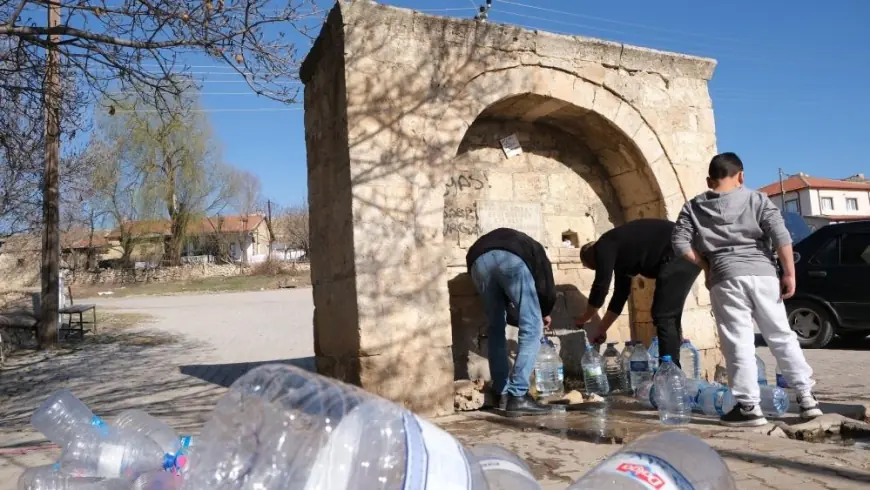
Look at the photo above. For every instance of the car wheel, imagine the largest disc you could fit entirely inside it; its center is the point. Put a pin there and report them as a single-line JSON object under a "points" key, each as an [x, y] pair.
{"points": [[812, 323]]}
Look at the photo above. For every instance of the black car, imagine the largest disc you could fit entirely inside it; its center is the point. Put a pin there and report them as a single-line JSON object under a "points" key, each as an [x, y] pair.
{"points": [[832, 268]]}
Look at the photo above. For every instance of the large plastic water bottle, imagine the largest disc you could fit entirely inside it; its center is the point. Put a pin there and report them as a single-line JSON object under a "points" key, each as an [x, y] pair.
{"points": [[762, 371], [49, 477], [116, 454], [717, 400], [158, 480], [61, 416], [153, 428], [594, 377], [690, 360], [549, 371], [665, 460], [502, 469], [780, 379], [280, 427], [654, 353], [672, 390], [613, 368], [645, 393], [695, 387], [640, 365], [625, 359]]}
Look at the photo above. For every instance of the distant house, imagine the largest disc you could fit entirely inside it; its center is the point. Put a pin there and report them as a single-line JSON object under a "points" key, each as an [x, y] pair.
{"points": [[240, 237], [822, 201], [79, 244]]}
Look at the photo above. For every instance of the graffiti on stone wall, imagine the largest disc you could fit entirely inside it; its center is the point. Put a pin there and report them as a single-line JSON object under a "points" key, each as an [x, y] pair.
{"points": [[461, 193]]}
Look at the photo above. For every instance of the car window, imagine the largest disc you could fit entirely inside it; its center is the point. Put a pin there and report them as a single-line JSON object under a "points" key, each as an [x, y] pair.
{"points": [[828, 254], [855, 249]]}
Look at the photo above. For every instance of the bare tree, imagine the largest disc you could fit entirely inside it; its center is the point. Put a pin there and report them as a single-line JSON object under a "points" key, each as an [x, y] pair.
{"points": [[247, 201], [94, 46], [294, 228]]}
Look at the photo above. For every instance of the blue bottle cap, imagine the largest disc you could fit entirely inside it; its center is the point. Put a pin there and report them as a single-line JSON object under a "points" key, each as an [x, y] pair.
{"points": [[667, 359], [169, 461]]}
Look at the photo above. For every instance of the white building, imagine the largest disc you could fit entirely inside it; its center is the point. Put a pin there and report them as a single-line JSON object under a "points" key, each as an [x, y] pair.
{"points": [[822, 201]]}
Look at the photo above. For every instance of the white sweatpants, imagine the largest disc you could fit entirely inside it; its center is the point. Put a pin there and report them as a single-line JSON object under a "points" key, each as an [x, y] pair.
{"points": [[736, 303]]}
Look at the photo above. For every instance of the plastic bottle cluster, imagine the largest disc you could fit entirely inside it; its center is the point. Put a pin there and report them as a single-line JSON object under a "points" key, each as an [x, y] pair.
{"points": [[282, 428], [135, 451]]}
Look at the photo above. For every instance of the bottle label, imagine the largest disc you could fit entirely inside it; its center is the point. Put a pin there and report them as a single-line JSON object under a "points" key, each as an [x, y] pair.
{"points": [[593, 371], [503, 465], [719, 400], [185, 441], [561, 374], [651, 472], [111, 462], [639, 366], [435, 460], [781, 382]]}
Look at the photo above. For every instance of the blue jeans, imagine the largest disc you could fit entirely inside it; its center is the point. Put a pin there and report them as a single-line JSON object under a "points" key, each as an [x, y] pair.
{"points": [[501, 276]]}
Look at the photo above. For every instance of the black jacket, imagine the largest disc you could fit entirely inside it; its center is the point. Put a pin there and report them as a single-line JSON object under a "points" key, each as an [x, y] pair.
{"points": [[526, 248]]}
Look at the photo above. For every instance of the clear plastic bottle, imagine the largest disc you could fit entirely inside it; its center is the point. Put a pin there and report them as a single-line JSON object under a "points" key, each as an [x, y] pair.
{"points": [[549, 371], [117, 454], [690, 360], [594, 377], [646, 395], [158, 480], [49, 477], [654, 354], [280, 427], [625, 359], [502, 469], [675, 408], [61, 416], [640, 365], [153, 428], [673, 459], [717, 400], [613, 368], [762, 371], [695, 388]]}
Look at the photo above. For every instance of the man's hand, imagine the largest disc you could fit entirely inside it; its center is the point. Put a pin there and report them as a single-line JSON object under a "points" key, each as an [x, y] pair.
{"points": [[788, 285], [707, 283], [548, 321], [599, 337]]}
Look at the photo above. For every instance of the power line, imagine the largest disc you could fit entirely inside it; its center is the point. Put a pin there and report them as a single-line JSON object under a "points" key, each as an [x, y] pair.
{"points": [[252, 109]]}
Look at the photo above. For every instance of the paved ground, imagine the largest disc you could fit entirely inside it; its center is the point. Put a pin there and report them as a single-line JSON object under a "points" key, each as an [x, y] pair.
{"points": [[179, 363]]}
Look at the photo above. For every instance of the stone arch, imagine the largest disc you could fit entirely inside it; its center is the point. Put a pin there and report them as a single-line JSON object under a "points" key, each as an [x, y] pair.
{"points": [[614, 139]]}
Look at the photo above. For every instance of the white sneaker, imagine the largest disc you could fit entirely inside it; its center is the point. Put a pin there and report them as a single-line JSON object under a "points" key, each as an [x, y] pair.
{"points": [[809, 405]]}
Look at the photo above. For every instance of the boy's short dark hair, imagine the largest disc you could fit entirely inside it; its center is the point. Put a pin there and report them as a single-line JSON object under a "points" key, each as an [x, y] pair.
{"points": [[725, 165]]}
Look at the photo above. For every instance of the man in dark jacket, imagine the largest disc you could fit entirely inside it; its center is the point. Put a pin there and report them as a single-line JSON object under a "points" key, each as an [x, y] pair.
{"points": [[642, 247], [509, 266]]}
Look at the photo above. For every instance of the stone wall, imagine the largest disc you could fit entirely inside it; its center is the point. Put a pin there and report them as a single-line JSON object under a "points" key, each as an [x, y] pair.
{"points": [[160, 274], [392, 100]]}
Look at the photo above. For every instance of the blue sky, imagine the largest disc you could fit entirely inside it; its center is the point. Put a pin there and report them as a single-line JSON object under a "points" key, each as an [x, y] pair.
{"points": [[792, 88]]}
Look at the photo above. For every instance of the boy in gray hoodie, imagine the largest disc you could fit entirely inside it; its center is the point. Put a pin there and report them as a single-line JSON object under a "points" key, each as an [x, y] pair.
{"points": [[730, 232]]}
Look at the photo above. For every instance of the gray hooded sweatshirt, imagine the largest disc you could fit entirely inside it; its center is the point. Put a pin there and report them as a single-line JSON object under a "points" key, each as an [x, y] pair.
{"points": [[735, 231]]}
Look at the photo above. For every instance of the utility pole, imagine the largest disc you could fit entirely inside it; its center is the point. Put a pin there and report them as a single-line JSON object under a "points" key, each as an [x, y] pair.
{"points": [[782, 188], [269, 225], [50, 269]]}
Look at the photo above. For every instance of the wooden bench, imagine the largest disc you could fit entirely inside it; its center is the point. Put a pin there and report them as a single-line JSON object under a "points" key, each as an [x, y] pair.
{"points": [[75, 316]]}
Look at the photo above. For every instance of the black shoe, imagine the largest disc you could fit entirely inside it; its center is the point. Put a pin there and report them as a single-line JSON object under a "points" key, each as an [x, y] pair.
{"points": [[518, 406], [744, 416], [809, 406], [495, 400]]}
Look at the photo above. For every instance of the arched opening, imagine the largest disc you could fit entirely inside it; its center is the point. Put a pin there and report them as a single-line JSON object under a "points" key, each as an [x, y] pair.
{"points": [[578, 175]]}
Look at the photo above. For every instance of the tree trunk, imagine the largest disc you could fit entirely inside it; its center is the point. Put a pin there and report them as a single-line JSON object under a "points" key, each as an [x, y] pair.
{"points": [[50, 269]]}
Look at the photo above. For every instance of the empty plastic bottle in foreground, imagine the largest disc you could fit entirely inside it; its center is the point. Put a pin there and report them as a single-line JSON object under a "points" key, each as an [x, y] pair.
{"points": [[282, 428], [690, 360], [549, 372], [502, 469], [668, 460], [762, 371], [640, 365], [61, 416], [717, 400], [158, 480], [645, 393], [594, 377], [654, 353], [153, 428], [625, 359], [49, 477], [675, 407], [118, 454], [613, 367]]}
